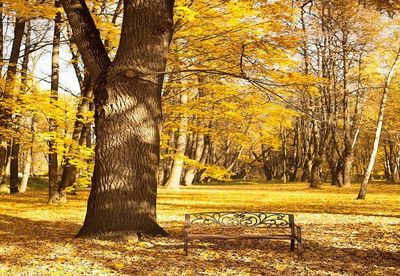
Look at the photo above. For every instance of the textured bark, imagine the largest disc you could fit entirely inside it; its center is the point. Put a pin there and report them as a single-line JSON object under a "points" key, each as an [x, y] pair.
{"points": [[363, 189], [174, 177], [316, 173], [87, 37], [54, 196], [127, 96]]}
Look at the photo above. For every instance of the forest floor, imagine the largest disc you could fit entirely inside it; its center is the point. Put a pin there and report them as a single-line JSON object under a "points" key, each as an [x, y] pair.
{"points": [[341, 235]]}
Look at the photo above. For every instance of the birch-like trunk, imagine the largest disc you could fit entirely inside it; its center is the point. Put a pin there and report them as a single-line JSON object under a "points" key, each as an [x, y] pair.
{"points": [[363, 189], [28, 162], [198, 153], [174, 177]]}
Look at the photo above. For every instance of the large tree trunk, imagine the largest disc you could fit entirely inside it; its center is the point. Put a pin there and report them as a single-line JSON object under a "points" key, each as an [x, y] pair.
{"points": [[127, 94], [54, 196], [363, 189]]}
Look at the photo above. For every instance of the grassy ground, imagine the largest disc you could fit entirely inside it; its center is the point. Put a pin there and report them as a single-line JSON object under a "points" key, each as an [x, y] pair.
{"points": [[342, 236]]}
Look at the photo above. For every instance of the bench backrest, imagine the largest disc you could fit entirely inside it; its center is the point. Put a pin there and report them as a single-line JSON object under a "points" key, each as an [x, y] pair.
{"points": [[241, 219]]}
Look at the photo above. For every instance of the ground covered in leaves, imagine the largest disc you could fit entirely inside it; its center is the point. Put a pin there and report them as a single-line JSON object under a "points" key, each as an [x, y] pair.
{"points": [[342, 236]]}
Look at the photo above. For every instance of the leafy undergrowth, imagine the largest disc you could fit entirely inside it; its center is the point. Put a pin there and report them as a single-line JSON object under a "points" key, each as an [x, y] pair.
{"points": [[341, 235]]}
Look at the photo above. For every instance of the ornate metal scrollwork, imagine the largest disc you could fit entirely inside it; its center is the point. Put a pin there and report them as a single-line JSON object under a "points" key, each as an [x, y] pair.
{"points": [[248, 219]]}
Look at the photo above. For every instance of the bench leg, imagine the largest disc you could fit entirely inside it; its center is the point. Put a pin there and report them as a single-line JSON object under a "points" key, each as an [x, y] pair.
{"points": [[186, 247], [299, 248], [292, 244]]}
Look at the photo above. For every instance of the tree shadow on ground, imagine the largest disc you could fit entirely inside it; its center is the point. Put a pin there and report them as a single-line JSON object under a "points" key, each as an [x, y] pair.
{"points": [[40, 239], [261, 255]]}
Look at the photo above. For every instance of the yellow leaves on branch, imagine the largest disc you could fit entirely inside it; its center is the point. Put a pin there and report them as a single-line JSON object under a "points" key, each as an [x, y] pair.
{"points": [[185, 13], [30, 8]]}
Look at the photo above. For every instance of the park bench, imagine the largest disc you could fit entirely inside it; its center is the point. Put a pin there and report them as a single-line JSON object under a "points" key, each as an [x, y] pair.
{"points": [[252, 225]]}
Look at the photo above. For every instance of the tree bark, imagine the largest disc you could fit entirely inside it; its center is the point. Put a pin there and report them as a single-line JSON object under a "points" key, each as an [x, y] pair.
{"points": [[54, 196], [174, 177], [284, 153], [127, 96], [5, 114], [363, 189], [28, 163], [191, 171]]}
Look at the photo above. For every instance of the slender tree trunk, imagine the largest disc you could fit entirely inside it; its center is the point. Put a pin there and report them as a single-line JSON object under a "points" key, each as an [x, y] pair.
{"points": [[14, 165], [68, 176], [266, 162], [174, 177], [5, 114], [3, 142], [54, 195], [284, 153], [331, 158], [339, 172], [347, 166], [363, 189], [191, 171], [15, 148], [392, 163], [28, 163], [26, 172], [127, 94]]}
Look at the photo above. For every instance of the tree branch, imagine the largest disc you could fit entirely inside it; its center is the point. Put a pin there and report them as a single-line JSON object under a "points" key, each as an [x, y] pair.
{"points": [[87, 37]]}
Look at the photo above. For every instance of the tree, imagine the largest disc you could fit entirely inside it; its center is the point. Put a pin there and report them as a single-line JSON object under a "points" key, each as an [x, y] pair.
{"points": [[5, 113], [127, 96], [388, 79], [54, 192]]}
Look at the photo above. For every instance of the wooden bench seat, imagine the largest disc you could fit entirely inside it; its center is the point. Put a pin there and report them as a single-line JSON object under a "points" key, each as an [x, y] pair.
{"points": [[233, 221]]}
